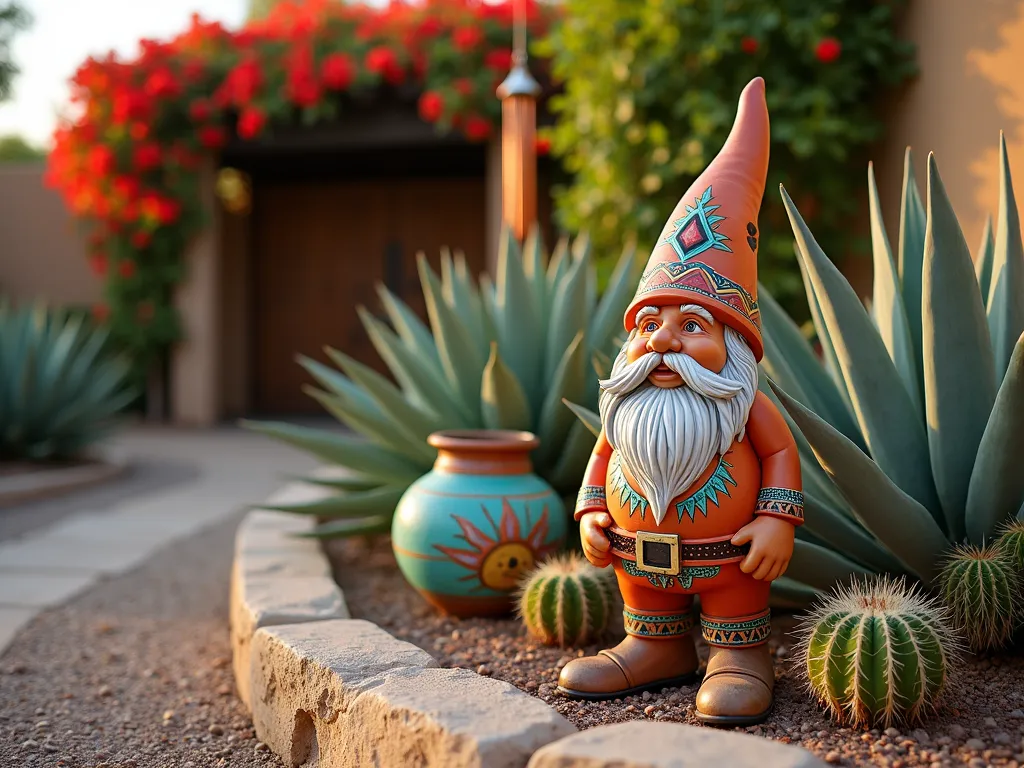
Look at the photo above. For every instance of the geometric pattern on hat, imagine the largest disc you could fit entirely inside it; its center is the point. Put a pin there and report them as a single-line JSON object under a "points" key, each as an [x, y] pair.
{"points": [[700, 278], [698, 231]]}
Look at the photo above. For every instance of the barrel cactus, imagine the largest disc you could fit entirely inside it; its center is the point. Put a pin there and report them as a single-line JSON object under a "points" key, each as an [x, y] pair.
{"points": [[878, 652], [500, 354], [982, 587], [1011, 539], [568, 602]]}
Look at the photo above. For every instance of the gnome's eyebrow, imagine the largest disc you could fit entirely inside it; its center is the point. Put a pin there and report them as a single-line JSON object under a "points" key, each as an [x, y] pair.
{"points": [[695, 309]]}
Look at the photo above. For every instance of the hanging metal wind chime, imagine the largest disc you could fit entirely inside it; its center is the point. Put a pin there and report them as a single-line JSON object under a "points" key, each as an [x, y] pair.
{"points": [[518, 94]]}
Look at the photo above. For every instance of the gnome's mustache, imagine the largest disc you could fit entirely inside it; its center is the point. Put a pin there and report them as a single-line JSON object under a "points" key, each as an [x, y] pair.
{"points": [[694, 375]]}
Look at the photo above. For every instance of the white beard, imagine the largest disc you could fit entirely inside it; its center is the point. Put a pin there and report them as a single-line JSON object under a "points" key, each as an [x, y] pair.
{"points": [[667, 437]]}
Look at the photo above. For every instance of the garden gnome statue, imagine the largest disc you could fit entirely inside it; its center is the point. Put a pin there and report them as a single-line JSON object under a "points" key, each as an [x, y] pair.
{"points": [[694, 485]]}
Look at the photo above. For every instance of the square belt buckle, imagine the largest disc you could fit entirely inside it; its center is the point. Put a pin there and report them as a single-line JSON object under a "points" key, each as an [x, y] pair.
{"points": [[657, 552]]}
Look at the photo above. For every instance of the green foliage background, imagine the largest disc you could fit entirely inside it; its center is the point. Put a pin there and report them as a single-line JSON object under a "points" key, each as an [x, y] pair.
{"points": [[650, 91]]}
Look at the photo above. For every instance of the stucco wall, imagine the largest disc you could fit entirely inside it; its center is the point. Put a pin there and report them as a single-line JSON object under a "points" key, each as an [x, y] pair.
{"points": [[42, 255], [971, 86]]}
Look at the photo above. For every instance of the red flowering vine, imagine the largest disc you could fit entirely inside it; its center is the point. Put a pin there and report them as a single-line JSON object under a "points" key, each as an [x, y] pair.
{"points": [[828, 50], [128, 163]]}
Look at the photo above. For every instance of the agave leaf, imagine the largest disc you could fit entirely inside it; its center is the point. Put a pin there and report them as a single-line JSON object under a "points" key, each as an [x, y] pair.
{"points": [[997, 484], [790, 360], [828, 350], [340, 384], [900, 523], [516, 317], [887, 301], [337, 529], [415, 374], [503, 403], [487, 306], [568, 312], [884, 410], [558, 266], [461, 360], [342, 482], [353, 504], [414, 334], [607, 318], [844, 535], [790, 594], [347, 450], [389, 399], [375, 426], [1006, 292], [587, 417], [535, 267], [601, 363], [820, 567], [570, 466], [985, 257], [959, 383], [912, 226], [568, 382], [460, 297]]}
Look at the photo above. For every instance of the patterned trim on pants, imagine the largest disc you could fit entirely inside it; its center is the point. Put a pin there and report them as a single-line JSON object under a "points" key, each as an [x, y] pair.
{"points": [[742, 632], [651, 624]]}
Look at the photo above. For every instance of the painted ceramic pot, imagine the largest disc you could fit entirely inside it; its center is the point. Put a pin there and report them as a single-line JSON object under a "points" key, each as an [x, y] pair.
{"points": [[465, 533]]}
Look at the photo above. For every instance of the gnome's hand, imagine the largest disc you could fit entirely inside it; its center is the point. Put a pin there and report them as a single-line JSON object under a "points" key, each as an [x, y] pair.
{"points": [[771, 547], [596, 546]]}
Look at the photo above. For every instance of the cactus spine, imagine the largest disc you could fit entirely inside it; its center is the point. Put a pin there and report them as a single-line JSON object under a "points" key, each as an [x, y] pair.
{"points": [[1011, 540], [982, 588], [878, 652], [567, 601]]}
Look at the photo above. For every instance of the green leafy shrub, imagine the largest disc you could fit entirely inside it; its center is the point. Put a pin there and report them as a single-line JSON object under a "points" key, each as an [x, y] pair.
{"points": [[982, 587], [910, 433], [878, 652], [568, 602], [649, 97], [60, 387], [501, 355]]}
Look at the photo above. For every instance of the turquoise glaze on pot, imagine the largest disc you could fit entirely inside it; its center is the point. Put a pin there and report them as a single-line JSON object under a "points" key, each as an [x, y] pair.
{"points": [[465, 533]]}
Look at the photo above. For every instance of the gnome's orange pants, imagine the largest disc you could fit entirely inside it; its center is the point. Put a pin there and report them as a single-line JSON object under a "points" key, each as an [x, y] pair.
{"points": [[734, 605]]}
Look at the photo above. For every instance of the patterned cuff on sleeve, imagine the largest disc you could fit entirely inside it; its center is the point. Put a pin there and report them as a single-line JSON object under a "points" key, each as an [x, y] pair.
{"points": [[782, 503], [590, 498]]}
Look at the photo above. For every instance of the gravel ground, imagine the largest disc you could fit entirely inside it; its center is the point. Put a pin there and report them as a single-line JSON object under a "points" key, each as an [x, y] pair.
{"points": [[981, 724], [135, 672]]}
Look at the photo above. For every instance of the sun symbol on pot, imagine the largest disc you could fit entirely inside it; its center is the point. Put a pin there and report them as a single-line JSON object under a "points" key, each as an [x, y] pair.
{"points": [[499, 562]]}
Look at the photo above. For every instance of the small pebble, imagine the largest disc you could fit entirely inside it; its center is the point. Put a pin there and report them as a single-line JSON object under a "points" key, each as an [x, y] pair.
{"points": [[30, 743], [169, 714], [957, 731], [920, 736], [892, 733], [42, 725], [649, 710], [990, 722], [1002, 738], [104, 690], [833, 757], [261, 747], [975, 744], [646, 696], [215, 729], [483, 670], [531, 685]]}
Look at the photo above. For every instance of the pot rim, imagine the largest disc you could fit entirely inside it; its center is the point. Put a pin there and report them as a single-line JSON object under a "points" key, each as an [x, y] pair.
{"points": [[483, 440]]}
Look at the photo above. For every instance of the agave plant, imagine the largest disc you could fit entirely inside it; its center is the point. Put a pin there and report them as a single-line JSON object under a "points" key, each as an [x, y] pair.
{"points": [[60, 388], [911, 430], [497, 355]]}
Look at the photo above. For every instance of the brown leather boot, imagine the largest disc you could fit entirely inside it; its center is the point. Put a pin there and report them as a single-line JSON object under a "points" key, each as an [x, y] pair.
{"points": [[635, 665], [737, 687]]}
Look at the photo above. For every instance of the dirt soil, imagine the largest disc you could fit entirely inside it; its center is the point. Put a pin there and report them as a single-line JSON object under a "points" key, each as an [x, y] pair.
{"points": [[980, 724], [135, 673]]}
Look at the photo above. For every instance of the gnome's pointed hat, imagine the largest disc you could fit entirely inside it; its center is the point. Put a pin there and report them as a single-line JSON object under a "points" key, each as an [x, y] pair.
{"points": [[707, 252]]}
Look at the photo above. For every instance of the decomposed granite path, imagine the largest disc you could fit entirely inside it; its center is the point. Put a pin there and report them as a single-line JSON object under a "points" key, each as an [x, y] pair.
{"points": [[114, 614]]}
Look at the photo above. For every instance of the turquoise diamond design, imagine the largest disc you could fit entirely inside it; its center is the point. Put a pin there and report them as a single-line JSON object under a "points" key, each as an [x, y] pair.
{"points": [[698, 231], [715, 485]]}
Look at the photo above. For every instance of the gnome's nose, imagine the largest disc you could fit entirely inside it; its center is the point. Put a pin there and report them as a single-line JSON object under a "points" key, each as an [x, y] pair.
{"points": [[664, 340]]}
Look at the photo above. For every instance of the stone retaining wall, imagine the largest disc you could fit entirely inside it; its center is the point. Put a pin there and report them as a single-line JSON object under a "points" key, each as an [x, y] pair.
{"points": [[328, 691]]}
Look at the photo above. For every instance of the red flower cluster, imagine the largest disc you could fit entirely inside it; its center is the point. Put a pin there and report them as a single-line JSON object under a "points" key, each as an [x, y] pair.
{"points": [[828, 50], [127, 164]]}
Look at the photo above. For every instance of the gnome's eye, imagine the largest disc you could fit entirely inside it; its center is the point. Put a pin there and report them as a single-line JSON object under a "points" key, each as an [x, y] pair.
{"points": [[650, 327], [692, 326]]}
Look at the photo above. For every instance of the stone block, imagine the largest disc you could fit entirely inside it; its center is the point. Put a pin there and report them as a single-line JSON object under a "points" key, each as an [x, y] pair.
{"points": [[264, 600], [346, 693], [645, 744]]}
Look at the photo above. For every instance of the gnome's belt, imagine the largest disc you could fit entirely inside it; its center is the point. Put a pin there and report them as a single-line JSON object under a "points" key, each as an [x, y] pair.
{"points": [[666, 553]]}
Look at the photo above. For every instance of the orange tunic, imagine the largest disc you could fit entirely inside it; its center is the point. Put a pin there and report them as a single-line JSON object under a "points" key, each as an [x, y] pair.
{"points": [[759, 475]]}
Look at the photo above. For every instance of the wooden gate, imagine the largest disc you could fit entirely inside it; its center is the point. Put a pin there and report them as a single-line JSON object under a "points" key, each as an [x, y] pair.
{"points": [[319, 249]]}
